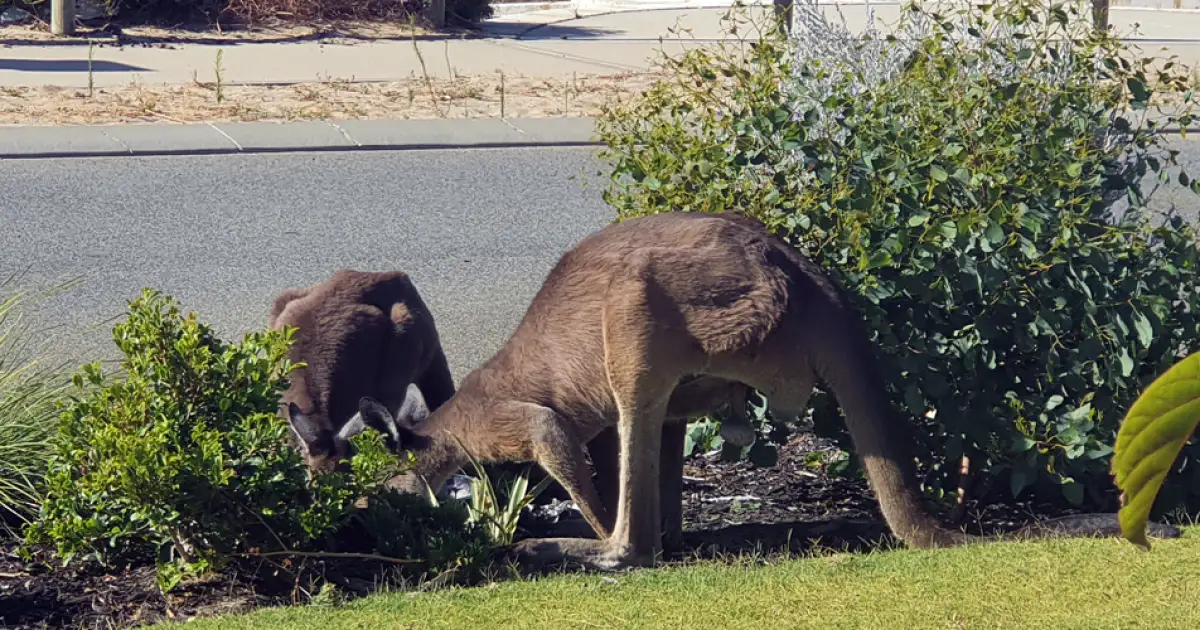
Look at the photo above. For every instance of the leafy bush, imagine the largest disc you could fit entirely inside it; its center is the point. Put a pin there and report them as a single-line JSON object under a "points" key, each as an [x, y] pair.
{"points": [[185, 462], [975, 181], [29, 389]]}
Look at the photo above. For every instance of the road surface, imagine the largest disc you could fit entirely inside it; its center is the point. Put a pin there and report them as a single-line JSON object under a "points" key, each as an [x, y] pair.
{"points": [[476, 229]]}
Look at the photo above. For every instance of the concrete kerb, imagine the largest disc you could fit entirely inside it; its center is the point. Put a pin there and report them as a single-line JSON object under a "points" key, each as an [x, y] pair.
{"points": [[157, 139], [163, 139]]}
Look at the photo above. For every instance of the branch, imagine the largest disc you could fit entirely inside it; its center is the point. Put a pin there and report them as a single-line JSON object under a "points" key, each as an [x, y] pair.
{"points": [[327, 554]]}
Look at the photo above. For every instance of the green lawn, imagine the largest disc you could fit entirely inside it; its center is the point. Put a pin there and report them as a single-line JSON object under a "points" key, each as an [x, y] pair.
{"points": [[1077, 583]]}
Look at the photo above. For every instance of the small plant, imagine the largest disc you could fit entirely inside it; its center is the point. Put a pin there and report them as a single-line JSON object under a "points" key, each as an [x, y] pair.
{"points": [[433, 97], [185, 463], [702, 436], [219, 73], [29, 391], [91, 74], [502, 104], [499, 518]]}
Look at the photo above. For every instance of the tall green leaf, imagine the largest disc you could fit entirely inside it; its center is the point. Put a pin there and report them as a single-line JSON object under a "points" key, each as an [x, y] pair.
{"points": [[1150, 438]]}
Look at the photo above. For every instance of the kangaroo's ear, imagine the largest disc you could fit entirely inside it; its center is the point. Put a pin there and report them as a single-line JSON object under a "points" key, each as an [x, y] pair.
{"points": [[414, 410], [353, 427], [376, 416], [303, 425]]}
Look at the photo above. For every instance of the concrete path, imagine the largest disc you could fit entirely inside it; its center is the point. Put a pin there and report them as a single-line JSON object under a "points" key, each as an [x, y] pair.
{"points": [[588, 37]]}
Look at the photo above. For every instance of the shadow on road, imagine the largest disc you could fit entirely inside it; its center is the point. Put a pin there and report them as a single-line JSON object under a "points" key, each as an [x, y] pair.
{"points": [[66, 65], [534, 31]]}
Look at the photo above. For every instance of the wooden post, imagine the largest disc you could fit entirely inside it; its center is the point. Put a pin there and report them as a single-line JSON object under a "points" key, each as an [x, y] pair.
{"points": [[1100, 14], [436, 13], [783, 11], [62, 17]]}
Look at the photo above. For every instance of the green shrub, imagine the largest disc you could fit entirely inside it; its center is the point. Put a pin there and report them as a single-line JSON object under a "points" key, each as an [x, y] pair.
{"points": [[29, 389], [975, 182], [185, 462]]}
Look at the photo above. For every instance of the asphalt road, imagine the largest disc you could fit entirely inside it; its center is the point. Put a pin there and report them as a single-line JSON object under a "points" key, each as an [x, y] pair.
{"points": [[476, 229]]}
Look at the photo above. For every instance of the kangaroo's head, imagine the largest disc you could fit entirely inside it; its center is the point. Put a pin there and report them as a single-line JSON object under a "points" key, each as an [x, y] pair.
{"points": [[399, 431], [325, 450]]}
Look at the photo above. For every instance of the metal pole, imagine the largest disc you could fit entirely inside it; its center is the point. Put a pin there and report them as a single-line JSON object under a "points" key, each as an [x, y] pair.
{"points": [[62, 17]]}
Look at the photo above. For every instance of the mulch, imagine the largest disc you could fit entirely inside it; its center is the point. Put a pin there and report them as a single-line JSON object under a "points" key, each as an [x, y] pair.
{"points": [[729, 508]]}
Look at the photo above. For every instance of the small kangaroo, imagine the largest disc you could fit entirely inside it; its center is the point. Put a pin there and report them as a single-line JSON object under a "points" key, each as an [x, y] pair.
{"points": [[361, 334], [622, 319]]}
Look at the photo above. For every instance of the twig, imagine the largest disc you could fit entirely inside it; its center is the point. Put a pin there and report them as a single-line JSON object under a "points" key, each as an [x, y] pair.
{"points": [[421, 58], [438, 581], [261, 521], [328, 554], [964, 481]]}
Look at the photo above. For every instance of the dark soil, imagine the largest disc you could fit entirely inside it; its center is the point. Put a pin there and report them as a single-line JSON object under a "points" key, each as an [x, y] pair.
{"points": [[737, 507], [729, 508], [43, 594]]}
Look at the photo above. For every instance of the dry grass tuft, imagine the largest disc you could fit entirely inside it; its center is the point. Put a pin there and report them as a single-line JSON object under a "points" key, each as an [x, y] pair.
{"points": [[334, 99]]}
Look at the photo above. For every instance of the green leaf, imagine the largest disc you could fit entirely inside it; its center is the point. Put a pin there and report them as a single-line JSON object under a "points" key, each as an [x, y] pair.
{"points": [[1153, 432], [1145, 331], [948, 229], [1073, 492], [952, 149], [938, 173], [1138, 88], [1126, 362], [1074, 169], [1018, 481], [995, 234]]}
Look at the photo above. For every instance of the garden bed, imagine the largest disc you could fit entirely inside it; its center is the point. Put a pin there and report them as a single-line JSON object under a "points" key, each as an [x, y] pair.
{"points": [[729, 508]]}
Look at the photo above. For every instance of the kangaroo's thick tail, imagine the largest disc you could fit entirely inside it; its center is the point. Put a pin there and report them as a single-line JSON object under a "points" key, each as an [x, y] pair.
{"points": [[845, 361], [847, 364]]}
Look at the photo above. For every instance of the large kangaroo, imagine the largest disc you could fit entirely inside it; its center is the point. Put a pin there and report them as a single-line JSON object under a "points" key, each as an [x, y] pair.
{"points": [[627, 315], [361, 334]]}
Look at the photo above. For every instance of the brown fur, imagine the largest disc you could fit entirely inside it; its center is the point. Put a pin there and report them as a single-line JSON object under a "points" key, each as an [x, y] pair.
{"points": [[361, 334], [626, 316]]}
